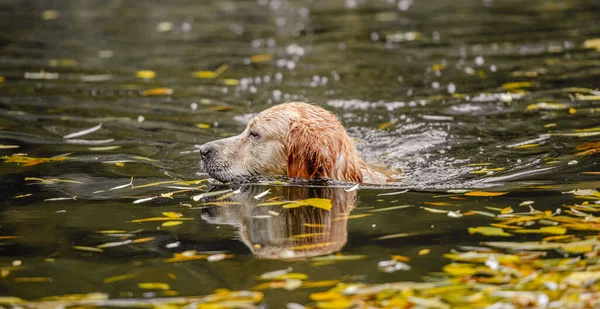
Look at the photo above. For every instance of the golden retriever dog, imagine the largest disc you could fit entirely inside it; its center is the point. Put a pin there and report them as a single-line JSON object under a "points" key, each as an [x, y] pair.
{"points": [[296, 139]]}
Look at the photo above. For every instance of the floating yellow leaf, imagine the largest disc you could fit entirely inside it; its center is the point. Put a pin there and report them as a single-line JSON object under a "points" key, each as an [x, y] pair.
{"points": [[439, 203], [483, 193], [2, 79], [33, 279], [335, 304], [171, 214], [105, 148], [507, 210], [9, 146], [118, 278], [592, 43], [261, 58], [10, 300], [460, 269], [171, 223], [90, 249], [204, 74], [384, 125], [424, 251], [319, 284], [220, 108], [158, 219], [516, 85], [555, 230], [49, 14], [142, 240], [488, 231], [154, 286], [30, 161], [158, 91], [231, 82], [184, 257], [211, 74], [323, 296], [203, 125], [582, 278], [145, 74]]}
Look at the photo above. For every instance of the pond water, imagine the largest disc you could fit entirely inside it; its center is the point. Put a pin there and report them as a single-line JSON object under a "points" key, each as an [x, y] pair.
{"points": [[490, 108]]}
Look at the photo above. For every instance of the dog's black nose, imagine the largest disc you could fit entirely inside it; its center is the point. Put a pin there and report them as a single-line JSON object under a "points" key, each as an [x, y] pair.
{"points": [[206, 150]]}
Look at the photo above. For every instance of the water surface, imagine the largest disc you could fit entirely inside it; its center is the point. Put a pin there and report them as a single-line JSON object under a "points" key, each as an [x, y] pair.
{"points": [[495, 96]]}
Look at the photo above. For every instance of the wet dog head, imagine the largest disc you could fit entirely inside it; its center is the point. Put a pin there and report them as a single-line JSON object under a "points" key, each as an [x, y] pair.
{"points": [[294, 139]]}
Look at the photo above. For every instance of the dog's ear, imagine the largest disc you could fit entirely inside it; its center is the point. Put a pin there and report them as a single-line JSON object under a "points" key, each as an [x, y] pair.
{"points": [[321, 151]]}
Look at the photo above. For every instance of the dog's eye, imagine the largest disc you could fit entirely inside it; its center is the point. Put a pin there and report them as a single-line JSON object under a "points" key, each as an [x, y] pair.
{"points": [[253, 134]]}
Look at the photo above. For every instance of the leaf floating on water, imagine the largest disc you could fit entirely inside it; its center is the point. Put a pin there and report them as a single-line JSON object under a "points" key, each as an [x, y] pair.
{"points": [[488, 231], [203, 125], [159, 219], [393, 193], [217, 257], [130, 184], [231, 82], [209, 194], [114, 244], [154, 286], [60, 199], [34, 279], [158, 91], [554, 230], [436, 211], [582, 278], [261, 58], [9, 146], [83, 132], [171, 214], [211, 74], [391, 208], [483, 193], [105, 148], [547, 106], [584, 192], [439, 204], [186, 257], [171, 223], [90, 249], [31, 161], [516, 85], [10, 300], [118, 278], [258, 196], [145, 74], [592, 43], [146, 199]]}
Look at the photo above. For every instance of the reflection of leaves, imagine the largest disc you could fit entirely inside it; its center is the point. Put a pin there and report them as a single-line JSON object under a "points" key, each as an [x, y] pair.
{"points": [[322, 203]]}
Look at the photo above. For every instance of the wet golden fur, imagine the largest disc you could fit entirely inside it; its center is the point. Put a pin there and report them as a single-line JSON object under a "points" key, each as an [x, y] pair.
{"points": [[294, 139]]}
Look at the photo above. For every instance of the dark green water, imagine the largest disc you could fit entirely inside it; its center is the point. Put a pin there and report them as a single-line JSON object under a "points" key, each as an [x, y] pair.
{"points": [[425, 86]]}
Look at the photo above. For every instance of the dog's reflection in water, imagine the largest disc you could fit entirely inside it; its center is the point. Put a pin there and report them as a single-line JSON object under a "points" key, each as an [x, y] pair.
{"points": [[276, 232]]}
